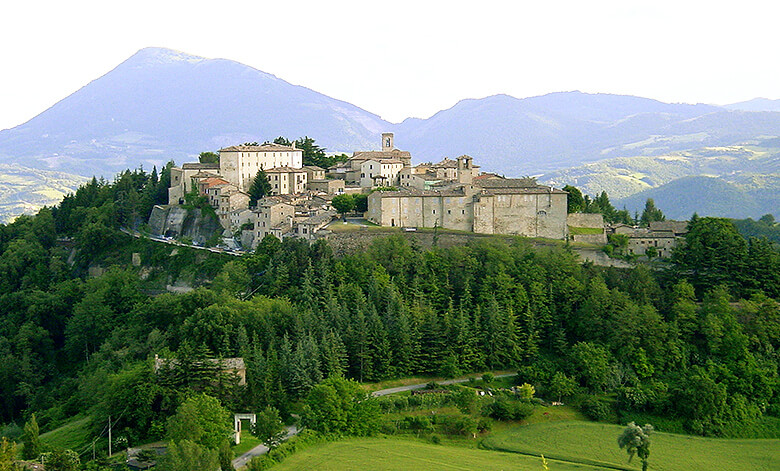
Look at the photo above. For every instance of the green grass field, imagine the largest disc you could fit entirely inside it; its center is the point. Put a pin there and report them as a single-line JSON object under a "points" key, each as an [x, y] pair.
{"points": [[596, 444], [73, 435], [392, 454]]}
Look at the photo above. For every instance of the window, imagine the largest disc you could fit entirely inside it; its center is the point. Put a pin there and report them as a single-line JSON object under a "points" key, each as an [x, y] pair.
{"points": [[434, 211], [449, 211], [462, 211]]}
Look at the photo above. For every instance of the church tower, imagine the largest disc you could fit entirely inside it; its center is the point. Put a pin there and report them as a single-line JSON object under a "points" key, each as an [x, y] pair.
{"points": [[387, 141], [465, 169]]}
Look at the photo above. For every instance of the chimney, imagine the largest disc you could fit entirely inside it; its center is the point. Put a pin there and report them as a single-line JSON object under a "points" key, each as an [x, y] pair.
{"points": [[293, 145]]}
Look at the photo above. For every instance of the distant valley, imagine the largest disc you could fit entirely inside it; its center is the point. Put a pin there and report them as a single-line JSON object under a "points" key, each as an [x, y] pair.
{"points": [[162, 105]]}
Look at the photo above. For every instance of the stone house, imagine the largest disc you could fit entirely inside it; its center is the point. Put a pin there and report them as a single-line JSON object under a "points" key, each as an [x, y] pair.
{"points": [[240, 164], [272, 216], [287, 180], [493, 206], [374, 172], [314, 173], [351, 170], [328, 186], [182, 179]]}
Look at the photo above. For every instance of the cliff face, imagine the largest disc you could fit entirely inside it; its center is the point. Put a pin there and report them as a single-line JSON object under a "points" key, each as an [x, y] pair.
{"points": [[176, 222]]}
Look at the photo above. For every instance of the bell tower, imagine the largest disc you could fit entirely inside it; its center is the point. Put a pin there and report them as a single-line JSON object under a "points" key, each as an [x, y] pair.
{"points": [[387, 141]]}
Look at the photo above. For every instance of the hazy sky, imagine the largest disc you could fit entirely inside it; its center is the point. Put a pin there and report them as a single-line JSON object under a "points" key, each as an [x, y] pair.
{"points": [[406, 58]]}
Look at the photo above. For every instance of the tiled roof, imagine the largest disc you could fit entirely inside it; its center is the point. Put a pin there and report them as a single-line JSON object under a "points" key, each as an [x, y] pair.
{"points": [[260, 148], [284, 170], [507, 183], [381, 155]]}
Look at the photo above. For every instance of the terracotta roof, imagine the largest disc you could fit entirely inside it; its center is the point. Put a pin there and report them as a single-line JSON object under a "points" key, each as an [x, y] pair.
{"points": [[486, 176], [284, 170], [381, 155], [261, 148], [213, 181], [314, 167], [446, 163]]}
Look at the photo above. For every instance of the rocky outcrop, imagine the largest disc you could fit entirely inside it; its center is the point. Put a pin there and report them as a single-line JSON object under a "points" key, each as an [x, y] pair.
{"points": [[177, 221]]}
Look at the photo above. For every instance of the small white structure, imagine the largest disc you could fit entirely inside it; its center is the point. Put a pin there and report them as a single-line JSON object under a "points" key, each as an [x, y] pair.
{"points": [[237, 418]]}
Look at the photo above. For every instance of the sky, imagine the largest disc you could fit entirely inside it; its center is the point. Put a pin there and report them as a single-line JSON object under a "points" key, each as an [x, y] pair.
{"points": [[402, 58]]}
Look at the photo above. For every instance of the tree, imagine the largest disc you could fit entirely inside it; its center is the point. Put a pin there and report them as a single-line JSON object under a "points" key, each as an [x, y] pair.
{"points": [[63, 460], [343, 203], [561, 385], [361, 203], [31, 440], [636, 441], [651, 213], [208, 158], [575, 202], [269, 428], [341, 406], [202, 420], [8, 456], [714, 253], [260, 187], [186, 455]]}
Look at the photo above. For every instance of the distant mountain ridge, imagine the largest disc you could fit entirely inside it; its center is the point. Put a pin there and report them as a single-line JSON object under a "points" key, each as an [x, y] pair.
{"points": [[162, 105], [756, 104]]}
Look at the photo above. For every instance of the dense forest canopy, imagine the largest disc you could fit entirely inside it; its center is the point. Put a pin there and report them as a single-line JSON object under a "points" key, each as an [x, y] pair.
{"points": [[697, 340]]}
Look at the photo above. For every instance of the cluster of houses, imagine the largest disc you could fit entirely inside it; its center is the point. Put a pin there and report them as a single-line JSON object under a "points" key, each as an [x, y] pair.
{"points": [[450, 194]]}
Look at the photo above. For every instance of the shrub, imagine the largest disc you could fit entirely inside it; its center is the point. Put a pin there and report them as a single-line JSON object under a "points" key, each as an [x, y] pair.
{"points": [[596, 409]]}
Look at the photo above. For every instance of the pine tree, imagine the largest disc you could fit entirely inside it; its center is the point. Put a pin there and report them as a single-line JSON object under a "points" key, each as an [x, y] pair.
{"points": [[260, 187], [31, 440]]}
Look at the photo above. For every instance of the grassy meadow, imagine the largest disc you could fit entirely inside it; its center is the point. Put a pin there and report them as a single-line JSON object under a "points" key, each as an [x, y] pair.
{"points": [[596, 444], [393, 454]]}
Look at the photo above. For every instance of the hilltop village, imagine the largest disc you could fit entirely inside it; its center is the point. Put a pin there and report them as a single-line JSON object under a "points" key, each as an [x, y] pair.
{"points": [[450, 194]]}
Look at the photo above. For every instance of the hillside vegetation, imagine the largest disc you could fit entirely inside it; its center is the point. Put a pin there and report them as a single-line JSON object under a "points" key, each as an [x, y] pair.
{"points": [[388, 454], [695, 343], [594, 443]]}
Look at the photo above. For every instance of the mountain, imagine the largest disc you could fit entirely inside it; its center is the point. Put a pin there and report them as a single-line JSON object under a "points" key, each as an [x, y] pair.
{"points": [[559, 130], [706, 196], [756, 104], [160, 105]]}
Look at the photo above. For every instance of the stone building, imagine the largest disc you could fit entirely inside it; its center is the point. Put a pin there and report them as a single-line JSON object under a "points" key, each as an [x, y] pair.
{"points": [[287, 180], [492, 206], [374, 172], [314, 173], [328, 186], [240, 164], [352, 171], [428, 176], [182, 179], [662, 235]]}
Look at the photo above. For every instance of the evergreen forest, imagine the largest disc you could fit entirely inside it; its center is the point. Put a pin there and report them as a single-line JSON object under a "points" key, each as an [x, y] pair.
{"points": [[694, 340]]}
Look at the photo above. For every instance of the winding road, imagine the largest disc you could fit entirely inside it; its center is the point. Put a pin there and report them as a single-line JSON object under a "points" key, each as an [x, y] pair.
{"points": [[292, 430]]}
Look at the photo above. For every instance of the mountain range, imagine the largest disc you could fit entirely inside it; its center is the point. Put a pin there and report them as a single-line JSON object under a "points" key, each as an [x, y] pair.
{"points": [[162, 105]]}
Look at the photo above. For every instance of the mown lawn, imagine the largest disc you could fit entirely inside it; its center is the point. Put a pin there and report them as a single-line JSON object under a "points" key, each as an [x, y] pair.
{"points": [[596, 444], [73, 435], [392, 454]]}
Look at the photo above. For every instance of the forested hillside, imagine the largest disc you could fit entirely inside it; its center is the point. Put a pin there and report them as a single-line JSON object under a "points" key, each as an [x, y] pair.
{"points": [[696, 342]]}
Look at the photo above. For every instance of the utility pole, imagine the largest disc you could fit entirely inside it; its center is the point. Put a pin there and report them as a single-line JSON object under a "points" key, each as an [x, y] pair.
{"points": [[109, 436]]}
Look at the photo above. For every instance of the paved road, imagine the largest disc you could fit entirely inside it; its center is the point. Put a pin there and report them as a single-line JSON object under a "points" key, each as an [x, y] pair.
{"points": [[242, 460], [292, 430], [385, 392]]}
